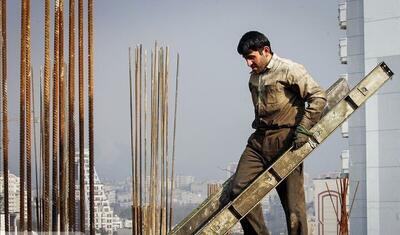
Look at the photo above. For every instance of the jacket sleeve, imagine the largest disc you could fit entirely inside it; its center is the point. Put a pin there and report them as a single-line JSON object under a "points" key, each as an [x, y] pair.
{"points": [[310, 92]]}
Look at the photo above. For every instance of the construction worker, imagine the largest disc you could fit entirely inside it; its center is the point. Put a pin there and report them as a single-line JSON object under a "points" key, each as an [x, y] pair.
{"points": [[287, 103]]}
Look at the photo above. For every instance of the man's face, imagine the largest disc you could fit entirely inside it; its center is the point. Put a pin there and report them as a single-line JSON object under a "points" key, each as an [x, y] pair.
{"points": [[258, 60]]}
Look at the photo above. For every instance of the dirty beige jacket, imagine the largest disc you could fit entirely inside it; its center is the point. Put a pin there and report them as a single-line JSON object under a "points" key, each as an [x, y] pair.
{"points": [[285, 95]]}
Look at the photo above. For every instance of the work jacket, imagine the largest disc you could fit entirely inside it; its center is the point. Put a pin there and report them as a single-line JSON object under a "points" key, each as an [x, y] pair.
{"points": [[285, 95]]}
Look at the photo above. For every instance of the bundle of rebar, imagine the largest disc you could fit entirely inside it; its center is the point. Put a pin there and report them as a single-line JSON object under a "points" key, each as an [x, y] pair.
{"points": [[151, 200], [59, 208]]}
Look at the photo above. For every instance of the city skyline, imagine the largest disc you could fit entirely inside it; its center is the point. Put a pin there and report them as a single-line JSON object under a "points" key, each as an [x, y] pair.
{"points": [[206, 41]]}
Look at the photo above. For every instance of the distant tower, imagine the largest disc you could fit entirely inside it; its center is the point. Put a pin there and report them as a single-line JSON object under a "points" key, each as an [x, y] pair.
{"points": [[104, 215]]}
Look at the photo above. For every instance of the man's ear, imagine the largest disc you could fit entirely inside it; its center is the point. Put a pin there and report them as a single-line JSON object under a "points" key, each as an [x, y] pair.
{"points": [[267, 50]]}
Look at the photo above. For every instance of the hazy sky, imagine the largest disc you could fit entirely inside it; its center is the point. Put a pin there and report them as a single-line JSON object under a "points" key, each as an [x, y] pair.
{"points": [[215, 109]]}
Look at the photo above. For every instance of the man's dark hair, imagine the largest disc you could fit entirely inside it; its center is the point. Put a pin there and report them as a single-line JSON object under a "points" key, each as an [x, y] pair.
{"points": [[252, 41]]}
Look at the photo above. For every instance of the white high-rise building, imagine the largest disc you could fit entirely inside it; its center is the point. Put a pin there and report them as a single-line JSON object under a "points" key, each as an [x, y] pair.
{"points": [[13, 193], [13, 200], [372, 29], [104, 216]]}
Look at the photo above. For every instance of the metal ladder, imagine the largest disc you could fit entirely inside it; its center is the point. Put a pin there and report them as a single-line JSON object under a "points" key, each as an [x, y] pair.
{"points": [[217, 214]]}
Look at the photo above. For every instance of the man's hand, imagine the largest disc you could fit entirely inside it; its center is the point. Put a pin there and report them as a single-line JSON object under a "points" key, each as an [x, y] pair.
{"points": [[301, 136]]}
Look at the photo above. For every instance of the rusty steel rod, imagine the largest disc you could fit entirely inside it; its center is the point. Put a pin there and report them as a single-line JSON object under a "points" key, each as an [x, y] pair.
{"points": [[46, 128], [82, 196], [61, 121], [146, 205], [22, 116], [140, 123], [55, 148], [91, 117], [131, 137], [166, 81], [39, 199], [152, 146], [28, 121], [135, 204], [174, 144], [71, 116], [5, 111]]}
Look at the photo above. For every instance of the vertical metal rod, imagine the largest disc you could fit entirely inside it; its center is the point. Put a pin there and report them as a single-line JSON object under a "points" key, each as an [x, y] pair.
{"points": [[41, 142], [5, 111], [35, 149], [46, 144], [157, 128], [28, 122], [91, 118], [146, 221], [162, 139], [174, 144], [140, 140], [63, 173], [82, 194], [152, 146], [131, 136], [71, 116], [166, 81], [55, 118], [22, 116], [135, 202]]}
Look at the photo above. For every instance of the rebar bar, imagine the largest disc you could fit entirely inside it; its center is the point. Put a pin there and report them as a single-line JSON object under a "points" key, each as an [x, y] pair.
{"points": [[71, 116], [146, 221], [152, 148], [22, 116], [91, 124], [5, 111], [55, 118], [39, 199], [46, 144], [166, 99], [61, 100], [28, 125], [82, 195], [140, 124], [131, 140], [174, 144]]}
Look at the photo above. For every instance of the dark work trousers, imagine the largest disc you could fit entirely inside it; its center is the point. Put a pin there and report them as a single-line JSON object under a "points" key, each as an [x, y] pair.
{"points": [[262, 149]]}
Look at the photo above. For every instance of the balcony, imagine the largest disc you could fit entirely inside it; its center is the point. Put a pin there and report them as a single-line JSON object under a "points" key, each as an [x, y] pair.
{"points": [[343, 50], [342, 17]]}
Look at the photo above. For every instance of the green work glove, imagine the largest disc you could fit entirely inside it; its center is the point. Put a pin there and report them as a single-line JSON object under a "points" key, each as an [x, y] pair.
{"points": [[301, 136]]}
